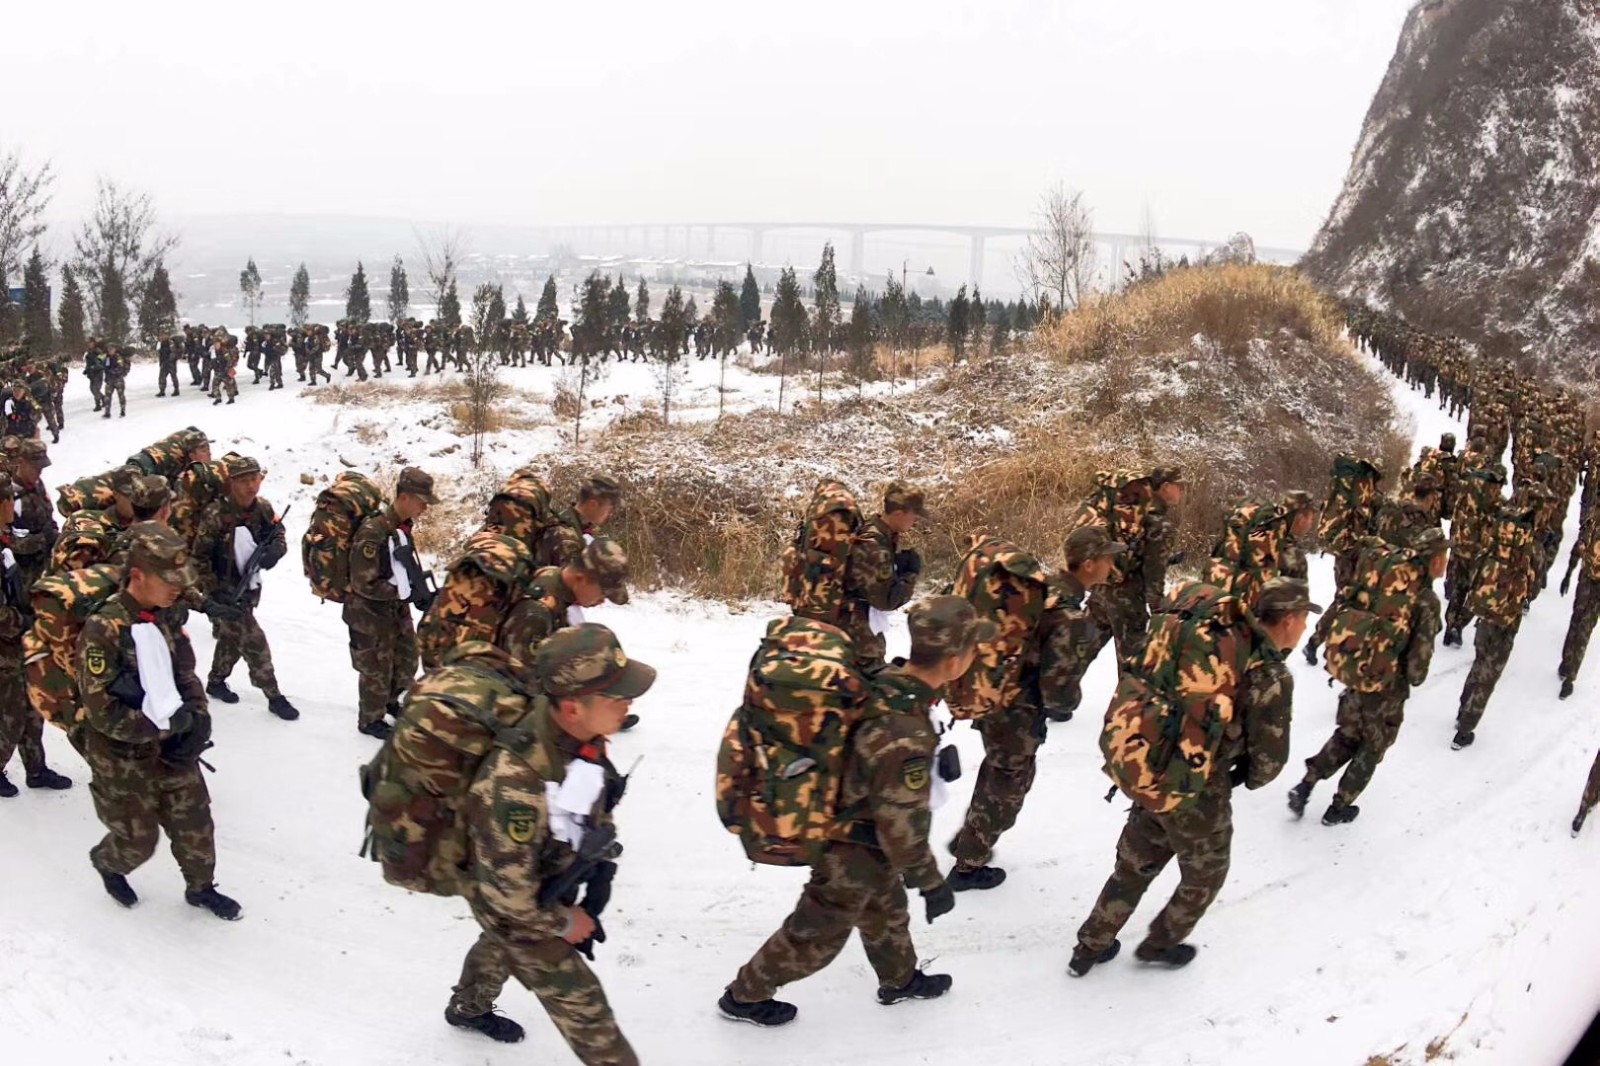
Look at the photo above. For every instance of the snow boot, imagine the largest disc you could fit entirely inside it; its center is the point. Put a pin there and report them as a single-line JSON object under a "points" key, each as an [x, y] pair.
{"points": [[492, 1025], [218, 690], [280, 706], [1177, 956], [379, 729], [117, 888], [45, 777], [1566, 688], [978, 879], [767, 1013], [1340, 813], [208, 897], [1452, 637], [1297, 798], [1084, 961], [1462, 740], [7, 789], [1577, 823], [921, 986]]}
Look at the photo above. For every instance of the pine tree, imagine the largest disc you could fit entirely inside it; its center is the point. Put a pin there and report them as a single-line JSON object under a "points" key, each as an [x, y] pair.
{"points": [[36, 325], [594, 317], [641, 302], [549, 308], [450, 306], [357, 301], [727, 318], [894, 318], [158, 309], [825, 314], [979, 326], [958, 326], [71, 316], [113, 324], [861, 338], [621, 309], [399, 291], [520, 315], [300, 298], [10, 318], [674, 328], [788, 325], [249, 290], [749, 300]]}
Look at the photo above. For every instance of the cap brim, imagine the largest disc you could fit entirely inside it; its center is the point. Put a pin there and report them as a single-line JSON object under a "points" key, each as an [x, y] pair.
{"points": [[618, 595], [1116, 547], [984, 631], [43, 461], [634, 681], [1314, 608]]}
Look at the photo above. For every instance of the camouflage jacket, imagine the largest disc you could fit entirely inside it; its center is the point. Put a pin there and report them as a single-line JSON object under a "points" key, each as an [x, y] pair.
{"points": [[218, 569], [1292, 558], [168, 457], [1401, 517], [1471, 526], [60, 609], [106, 649], [38, 519], [478, 592], [886, 785], [511, 849], [1506, 573], [1586, 548], [869, 576], [371, 567], [562, 541], [1258, 732], [89, 538], [1054, 662]]}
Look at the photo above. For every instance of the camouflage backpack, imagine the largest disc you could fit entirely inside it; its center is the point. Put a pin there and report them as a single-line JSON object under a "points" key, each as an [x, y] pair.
{"points": [[416, 785], [168, 457], [86, 494], [1168, 716], [1352, 497], [1247, 548], [508, 565], [782, 755], [1119, 505], [325, 548], [522, 508], [62, 603], [1009, 587], [814, 566], [198, 487], [1371, 627]]}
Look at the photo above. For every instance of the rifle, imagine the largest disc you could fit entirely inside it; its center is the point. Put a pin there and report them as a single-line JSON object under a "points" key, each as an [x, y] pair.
{"points": [[589, 868], [423, 587], [252, 565]]}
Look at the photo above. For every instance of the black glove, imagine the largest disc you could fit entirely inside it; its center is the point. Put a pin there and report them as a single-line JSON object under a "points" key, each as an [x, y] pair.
{"points": [[422, 599], [274, 551], [1062, 712], [907, 563], [184, 746], [127, 689], [949, 763], [586, 947], [1239, 772], [598, 892], [941, 900], [225, 612], [1566, 584]]}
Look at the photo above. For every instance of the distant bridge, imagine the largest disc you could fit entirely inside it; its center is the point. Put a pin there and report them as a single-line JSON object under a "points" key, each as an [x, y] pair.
{"points": [[669, 238]]}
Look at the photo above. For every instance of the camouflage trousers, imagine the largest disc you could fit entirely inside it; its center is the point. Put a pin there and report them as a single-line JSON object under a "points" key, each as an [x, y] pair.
{"points": [[21, 728], [1365, 729], [1011, 739], [852, 888], [118, 388], [1458, 581], [136, 796], [1344, 572], [567, 989], [242, 638], [383, 649], [224, 382], [871, 648], [274, 371], [169, 370], [1122, 614], [96, 389], [1492, 648], [1199, 836], [1585, 610], [1591, 789], [314, 368]]}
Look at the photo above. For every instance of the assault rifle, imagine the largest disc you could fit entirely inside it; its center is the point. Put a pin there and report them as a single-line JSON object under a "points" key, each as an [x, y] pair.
{"points": [[252, 565]]}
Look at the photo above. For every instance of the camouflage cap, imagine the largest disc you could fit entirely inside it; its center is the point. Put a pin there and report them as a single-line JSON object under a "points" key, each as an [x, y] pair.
{"points": [[586, 660], [34, 451], [194, 438], [1284, 594], [123, 479], [947, 625], [1447, 442], [1429, 540], [416, 482], [156, 550], [605, 559], [1090, 542], [1165, 475], [1425, 481], [242, 466], [900, 496], [600, 487], [150, 492], [10, 445]]}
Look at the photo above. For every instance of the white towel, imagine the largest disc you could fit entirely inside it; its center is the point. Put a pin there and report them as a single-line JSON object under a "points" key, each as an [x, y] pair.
{"points": [[8, 561], [944, 723], [573, 800], [244, 546], [574, 615], [878, 621], [161, 699], [399, 576]]}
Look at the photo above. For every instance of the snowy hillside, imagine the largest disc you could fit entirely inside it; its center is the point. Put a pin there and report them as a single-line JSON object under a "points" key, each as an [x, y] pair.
{"points": [[1457, 908]]}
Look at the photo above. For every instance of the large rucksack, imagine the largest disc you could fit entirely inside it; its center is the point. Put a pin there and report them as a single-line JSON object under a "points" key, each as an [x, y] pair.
{"points": [[325, 548], [1371, 627], [198, 488], [1010, 588], [61, 604], [416, 785], [85, 494], [815, 565], [508, 565], [1352, 496], [1170, 712], [782, 756], [1240, 558], [168, 457], [1118, 504], [522, 507]]}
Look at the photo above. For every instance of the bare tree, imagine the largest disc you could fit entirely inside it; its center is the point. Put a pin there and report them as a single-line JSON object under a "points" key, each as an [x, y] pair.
{"points": [[24, 195], [1059, 257], [442, 250], [484, 387], [119, 235]]}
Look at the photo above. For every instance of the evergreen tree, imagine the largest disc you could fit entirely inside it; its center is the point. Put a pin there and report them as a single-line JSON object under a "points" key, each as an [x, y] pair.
{"points": [[674, 326], [450, 306], [249, 291], [300, 298], [979, 325], [825, 317], [36, 325], [594, 317], [1000, 322], [71, 316], [621, 309], [399, 291], [641, 302], [749, 300], [788, 325], [958, 325], [549, 308], [10, 319], [727, 328], [113, 323], [520, 315], [861, 339], [158, 309], [357, 301]]}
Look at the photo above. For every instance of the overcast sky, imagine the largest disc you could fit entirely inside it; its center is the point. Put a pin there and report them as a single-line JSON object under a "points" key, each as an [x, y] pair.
{"points": [[1219, 116]]}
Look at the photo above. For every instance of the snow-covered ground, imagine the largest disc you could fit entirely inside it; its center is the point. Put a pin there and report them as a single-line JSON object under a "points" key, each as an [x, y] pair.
{"points": [[1457, 906]]}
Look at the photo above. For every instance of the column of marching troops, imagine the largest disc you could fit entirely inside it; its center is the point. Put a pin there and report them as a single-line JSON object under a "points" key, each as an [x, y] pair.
{"points": [[494, 781]]}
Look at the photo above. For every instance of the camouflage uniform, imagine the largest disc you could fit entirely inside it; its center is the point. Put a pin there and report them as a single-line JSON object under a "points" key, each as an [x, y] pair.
{"points": [[1132, 515], [563, 540], [875, 579], [383, 641], [35, 529], [1586, 600], [167, 353], [1504, 588], [20, 725], [94, 371], [224, 375], [514, 851], [116, 381], [219, 576], [61, 604], [478, 593], [1344, 524], [91, 537], [1477, 500]]}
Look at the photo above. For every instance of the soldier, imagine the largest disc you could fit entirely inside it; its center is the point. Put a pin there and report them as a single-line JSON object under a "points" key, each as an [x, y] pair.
{"points": [[20, 725], [1477, 500], [1503, 589], [1348, 517], [1369, 721], [524, 831], [116, 380], [1254, 748], [94, 370], [34, 529], [90, 537], [147, 726], [167, 353], [1257, 538], [879, 846], [1402, 517], [318, 345], [598, 497], [197, 340], [42, 389], [1585, 604], [385, 582], [880, 576], [1042, 679], [240, 525], [21, 413], [352, 351], [272, 346], [225, 372], [58, 390], [1301, 517]]}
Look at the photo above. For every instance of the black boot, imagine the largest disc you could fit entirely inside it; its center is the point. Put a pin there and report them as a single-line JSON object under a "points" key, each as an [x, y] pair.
{"points": [[222, 906], [1298, 796], [978, 878], [1084, 961], [1178, 955], [218, 690], [1577, 823], [769, 1012], [1452, 637], [1462, 740], [280, 706], [921, 986], [492, 1025], [7, 789], [117, 888], [1340, 813], [379, 729], [45, 777], [1566, 687]]}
